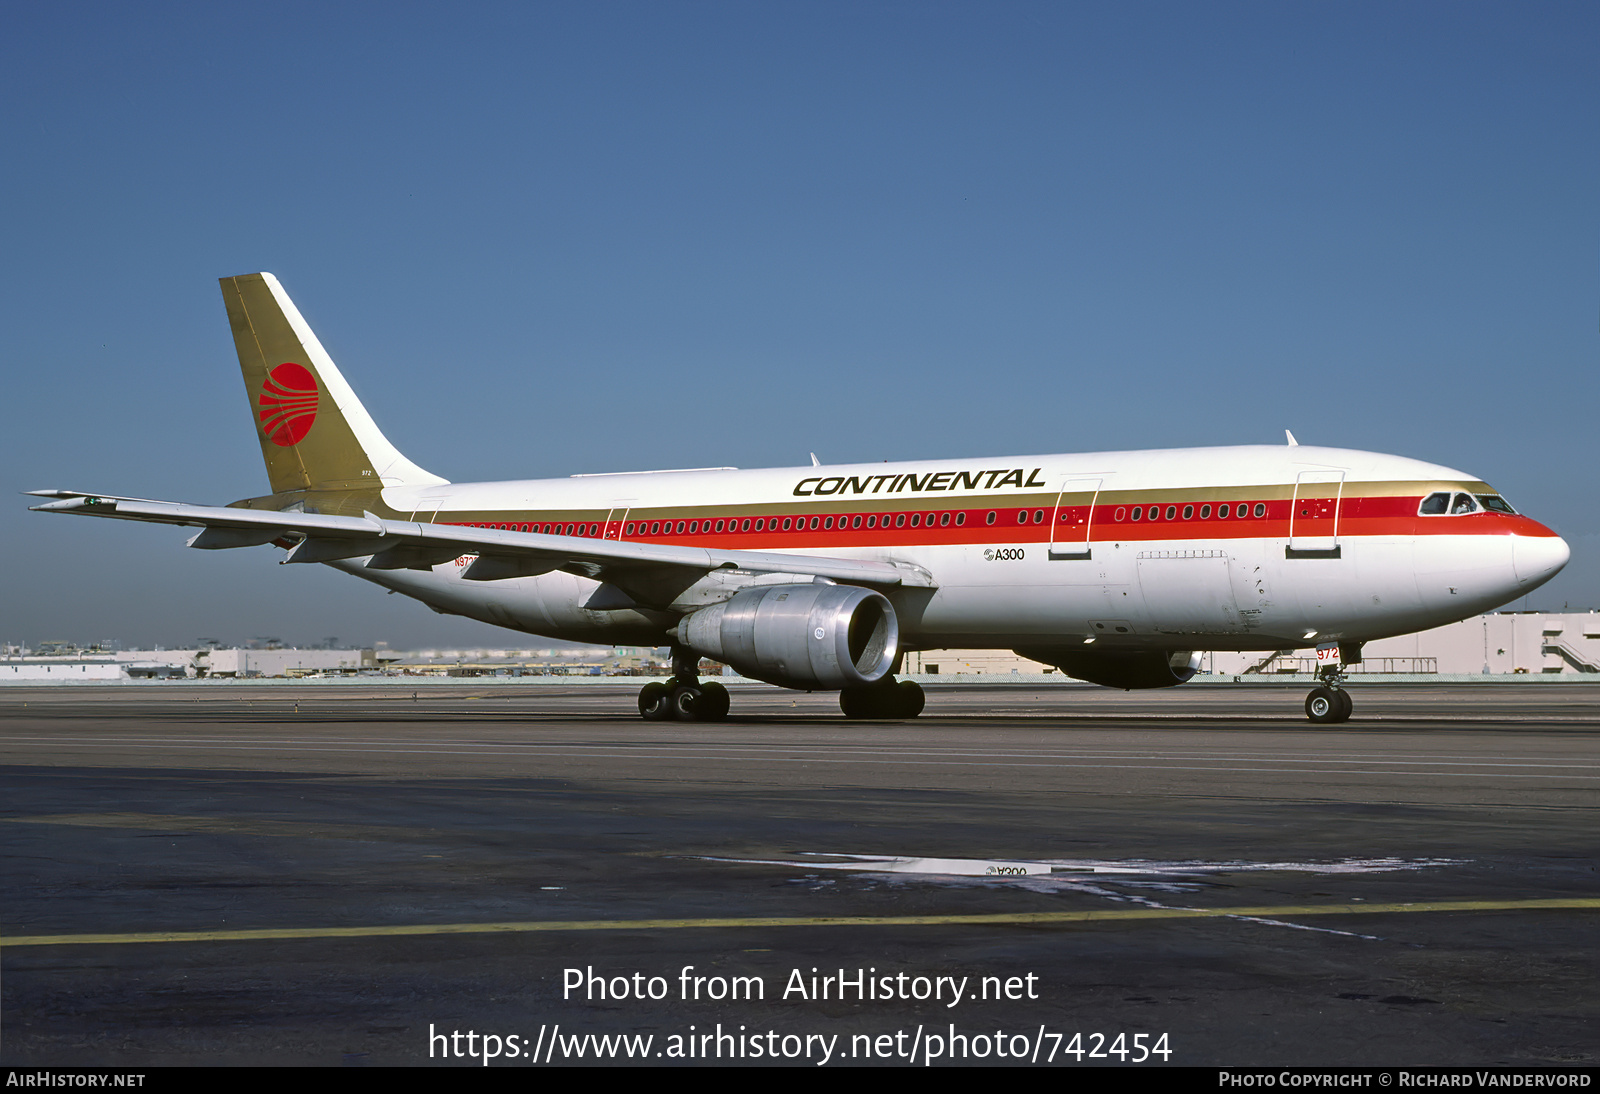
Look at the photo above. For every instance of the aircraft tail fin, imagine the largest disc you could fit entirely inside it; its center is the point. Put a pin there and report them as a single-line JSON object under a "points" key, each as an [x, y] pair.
{"points": [[314, 432]]}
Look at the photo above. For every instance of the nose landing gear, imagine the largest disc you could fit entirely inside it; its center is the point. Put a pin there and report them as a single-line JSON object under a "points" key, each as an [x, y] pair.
{"points": [[1328, 701]]}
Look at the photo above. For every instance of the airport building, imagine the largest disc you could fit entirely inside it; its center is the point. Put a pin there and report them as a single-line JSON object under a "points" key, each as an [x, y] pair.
{"points": [[67, 662], [1502, 643], [563, 661]]}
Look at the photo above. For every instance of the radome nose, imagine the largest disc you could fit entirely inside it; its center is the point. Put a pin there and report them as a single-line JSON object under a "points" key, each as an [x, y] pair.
{"points": [[1538, 558]]}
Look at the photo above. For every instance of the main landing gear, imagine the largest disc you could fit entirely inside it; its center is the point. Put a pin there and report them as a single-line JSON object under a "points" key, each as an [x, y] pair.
{"points": [[685, 697], [888, 698], [1328, 701]]}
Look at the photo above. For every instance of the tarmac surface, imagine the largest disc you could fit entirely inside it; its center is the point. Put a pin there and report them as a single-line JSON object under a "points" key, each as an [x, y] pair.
{"points": [[325, 875]]}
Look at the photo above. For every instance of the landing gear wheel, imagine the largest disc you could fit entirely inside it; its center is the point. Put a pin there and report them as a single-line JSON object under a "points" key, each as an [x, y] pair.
{"points": [[1346, 705], [1327, 705], [655, 702], [883, 700], [911, 699], [859, 702], [714, 707], [687, 703]]}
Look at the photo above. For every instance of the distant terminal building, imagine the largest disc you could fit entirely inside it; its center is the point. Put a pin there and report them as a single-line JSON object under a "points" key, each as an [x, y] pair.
{"points": [[66, 662], [970, 663], [568, 661], [1503, 643]]}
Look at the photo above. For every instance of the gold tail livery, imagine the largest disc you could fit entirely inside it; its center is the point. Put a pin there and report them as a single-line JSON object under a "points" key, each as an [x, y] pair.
{"points": [[1120, 568]]}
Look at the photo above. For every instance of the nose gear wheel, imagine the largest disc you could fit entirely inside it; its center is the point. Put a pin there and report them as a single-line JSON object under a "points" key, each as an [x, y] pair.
{"points": [[1326, 706]]}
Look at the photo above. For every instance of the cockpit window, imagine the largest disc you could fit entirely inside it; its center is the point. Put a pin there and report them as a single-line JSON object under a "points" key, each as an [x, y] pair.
{"points": [[1495, 503], [1462, 504], [1435, 505]]}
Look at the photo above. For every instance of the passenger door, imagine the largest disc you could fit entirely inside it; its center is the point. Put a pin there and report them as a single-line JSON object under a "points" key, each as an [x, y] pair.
{"points": [[1072, 527], [1314, 517]]}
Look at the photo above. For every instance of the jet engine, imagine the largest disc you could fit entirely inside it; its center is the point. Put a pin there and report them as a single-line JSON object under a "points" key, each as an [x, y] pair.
{"points": [[812, 637], [1126, 669]]}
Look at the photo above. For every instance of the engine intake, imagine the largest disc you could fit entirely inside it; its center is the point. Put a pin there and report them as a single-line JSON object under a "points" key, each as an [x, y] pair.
{"points": [[814, 637], [1126, 669]]}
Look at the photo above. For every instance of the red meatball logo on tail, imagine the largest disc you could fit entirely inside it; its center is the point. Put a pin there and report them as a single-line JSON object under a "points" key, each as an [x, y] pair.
{"points": [[288, 404]]}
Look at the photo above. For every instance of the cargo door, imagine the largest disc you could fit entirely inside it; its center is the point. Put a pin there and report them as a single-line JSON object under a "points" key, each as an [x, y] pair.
{"points": [[1188, 592]]}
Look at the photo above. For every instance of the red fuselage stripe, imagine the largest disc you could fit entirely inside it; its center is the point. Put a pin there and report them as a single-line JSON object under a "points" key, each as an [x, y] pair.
{"points": [[1351, 517]]}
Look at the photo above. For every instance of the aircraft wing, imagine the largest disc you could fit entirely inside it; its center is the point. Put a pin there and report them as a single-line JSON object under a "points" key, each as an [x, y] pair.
{"points": [[651, 572]]}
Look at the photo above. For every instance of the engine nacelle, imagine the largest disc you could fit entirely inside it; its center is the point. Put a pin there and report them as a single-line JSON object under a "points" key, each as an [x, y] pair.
{"points": [[814, 636], [1126, 669]]}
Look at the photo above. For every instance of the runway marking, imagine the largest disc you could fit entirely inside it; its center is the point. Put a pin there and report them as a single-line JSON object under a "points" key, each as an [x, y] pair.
{"points": [[1071, 870], [720, 751], [833, 756], [236, 826], [1000, 919]]}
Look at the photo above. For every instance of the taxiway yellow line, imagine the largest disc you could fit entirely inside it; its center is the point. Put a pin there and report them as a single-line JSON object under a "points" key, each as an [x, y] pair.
{"points": [[1001, 919]]}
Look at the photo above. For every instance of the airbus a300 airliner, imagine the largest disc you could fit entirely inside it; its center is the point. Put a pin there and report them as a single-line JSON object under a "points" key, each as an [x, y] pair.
{"points": [[1119, 568]]}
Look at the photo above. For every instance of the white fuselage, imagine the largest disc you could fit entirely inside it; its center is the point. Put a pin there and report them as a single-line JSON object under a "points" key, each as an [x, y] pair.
{"points": [[1317, 544]]}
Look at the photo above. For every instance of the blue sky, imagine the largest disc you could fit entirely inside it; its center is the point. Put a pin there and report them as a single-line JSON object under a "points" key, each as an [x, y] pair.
{"points": [[543, 239]]}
